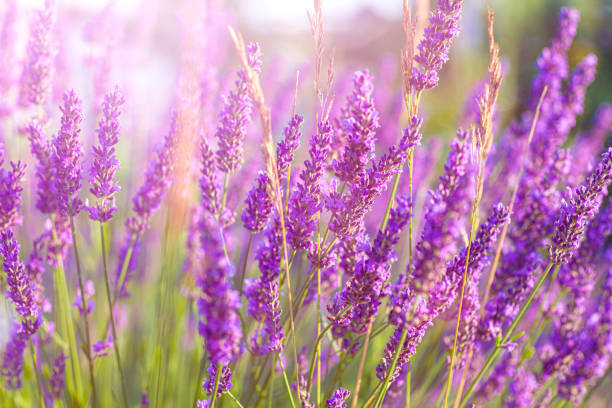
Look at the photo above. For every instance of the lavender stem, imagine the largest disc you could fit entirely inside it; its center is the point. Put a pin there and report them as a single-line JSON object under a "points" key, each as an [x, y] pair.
{"points": [[112, 318], [85, 313]]}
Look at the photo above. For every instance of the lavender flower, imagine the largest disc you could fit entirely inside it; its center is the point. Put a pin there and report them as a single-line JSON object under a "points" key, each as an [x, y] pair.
{"points": [[441, 229], [21, 291], [263, 294], [521, 390], [258, 205], [158, 178], [577, 210], [10, 194], [102, 348], [363, 293], [338, 397], [234, 118], [67, 153], [305, 202], [35, 84], [480, 249], [225, 381], [349, 210], [432, 51], [218, 302], [359, 127], [592, 349], [42, 149], [105, 163], [442, 296], [12, 360], [208, 179], [286, 148], [89, 292], [509, 296], [57, 380]]}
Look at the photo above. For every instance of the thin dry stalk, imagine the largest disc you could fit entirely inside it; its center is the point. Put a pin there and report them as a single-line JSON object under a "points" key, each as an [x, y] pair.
{"points": [[269, 156], [482, 140]]}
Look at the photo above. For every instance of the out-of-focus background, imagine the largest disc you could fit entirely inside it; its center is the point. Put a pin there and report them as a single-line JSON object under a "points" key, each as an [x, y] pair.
{"points": [[361, 33]]}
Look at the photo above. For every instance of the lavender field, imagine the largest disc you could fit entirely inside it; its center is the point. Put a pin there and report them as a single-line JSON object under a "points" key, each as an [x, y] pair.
{"points": [[374, 205]]}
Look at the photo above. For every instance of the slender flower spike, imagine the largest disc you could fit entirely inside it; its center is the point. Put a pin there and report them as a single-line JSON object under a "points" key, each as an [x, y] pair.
{"points": [[360, 127], [21, 290], [234, 118], [338, 397], [225, 381], [349, 210], [10, 194], [57, 380], [442, 228], [432, 51], [46, 201], [286, 148], [35, 83], [209, 188], [258, 205], [578, 209], [263, 293], [104, 163], [365, 290], [12, 360], [67, 153], [218, 303], [158, 178], [306, 200]]}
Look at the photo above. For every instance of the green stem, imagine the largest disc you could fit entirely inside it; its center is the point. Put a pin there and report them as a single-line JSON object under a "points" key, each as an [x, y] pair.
{"points": [[124, 268], [508, 334], [244, 263], [216, 386], [85, 313], [312, 361], [449, 379], [73, 371], [408, 386], [383, 390], [224, 197], [391, 198], [229, 393], [280, 361], [35, 367], [112, 318]]}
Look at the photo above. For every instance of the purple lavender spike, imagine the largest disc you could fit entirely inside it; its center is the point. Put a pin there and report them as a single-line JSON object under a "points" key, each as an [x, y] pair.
{"points": [[105, 164], [349, 209], [35, 83], [338, 398], [10, 194], [234, 118], [432, 51], [158, 179], [360, 127], [46, 201], [67, 154], [258, 205], [578, 209], [218, 303], [447, 204], [306, 202]]}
